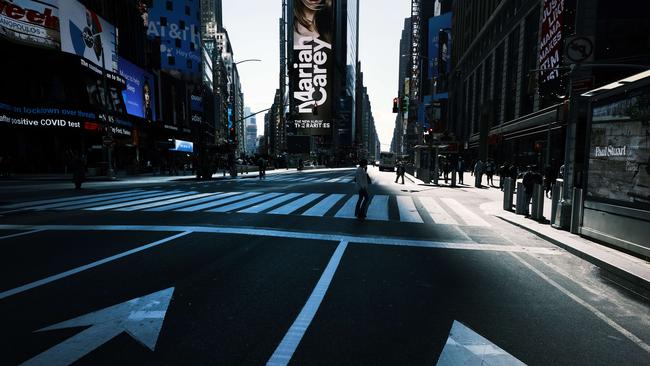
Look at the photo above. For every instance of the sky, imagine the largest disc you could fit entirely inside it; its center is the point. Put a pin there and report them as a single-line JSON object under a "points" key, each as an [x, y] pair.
{"points": [[253, 29]]}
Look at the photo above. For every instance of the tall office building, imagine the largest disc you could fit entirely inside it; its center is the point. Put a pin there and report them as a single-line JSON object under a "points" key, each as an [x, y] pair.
{"points": [[251, 132]]}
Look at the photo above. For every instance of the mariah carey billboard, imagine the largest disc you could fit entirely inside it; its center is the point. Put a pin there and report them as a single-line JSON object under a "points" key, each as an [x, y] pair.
{"points": [[311, 66]]}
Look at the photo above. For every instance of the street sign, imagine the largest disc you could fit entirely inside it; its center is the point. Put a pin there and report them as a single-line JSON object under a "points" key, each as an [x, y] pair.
{"points": [[141, 318], [579, 49]]}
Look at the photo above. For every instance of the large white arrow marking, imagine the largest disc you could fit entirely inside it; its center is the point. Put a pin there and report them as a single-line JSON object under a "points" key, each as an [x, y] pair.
{"points": [[468, 348], [141, 317]]}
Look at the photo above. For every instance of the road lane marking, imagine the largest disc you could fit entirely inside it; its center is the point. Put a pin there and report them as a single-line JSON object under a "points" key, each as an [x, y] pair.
{"points": [[167, 195], [407, 210], [231, 197], [237, 205], [465, 214], [378, 209], [70, 207], [268, 204], [296, 205], [292, 338], [437, 213], [41, 202], [20, 234], [626, 333], [74, 271], [347, 211], [370, 240], [165, 202], [321, 208]]}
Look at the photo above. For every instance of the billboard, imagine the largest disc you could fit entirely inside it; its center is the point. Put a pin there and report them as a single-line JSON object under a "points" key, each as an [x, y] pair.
{"points": [[311, 67], [139, 95], [439, 45], [86, 34], [550, 46], [177, 24], [35, 23]]}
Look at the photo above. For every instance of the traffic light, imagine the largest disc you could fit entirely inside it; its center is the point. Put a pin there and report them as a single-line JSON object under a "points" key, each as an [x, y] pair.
{"points": [[395, 105], [405, 103], [233, 135]]}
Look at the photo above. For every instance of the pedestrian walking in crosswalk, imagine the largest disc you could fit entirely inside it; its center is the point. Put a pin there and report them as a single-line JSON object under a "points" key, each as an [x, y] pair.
{"points": [[410, 209]]}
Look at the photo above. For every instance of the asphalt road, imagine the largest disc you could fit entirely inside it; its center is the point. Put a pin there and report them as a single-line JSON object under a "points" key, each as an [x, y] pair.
{"points": [[249, 272]]}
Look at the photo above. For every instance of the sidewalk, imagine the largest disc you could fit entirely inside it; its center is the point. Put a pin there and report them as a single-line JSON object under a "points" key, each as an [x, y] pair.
{"points": [[629, 267]]}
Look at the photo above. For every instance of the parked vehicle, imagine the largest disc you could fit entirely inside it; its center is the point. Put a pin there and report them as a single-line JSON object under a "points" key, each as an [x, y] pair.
{"points": [[387, 161]]}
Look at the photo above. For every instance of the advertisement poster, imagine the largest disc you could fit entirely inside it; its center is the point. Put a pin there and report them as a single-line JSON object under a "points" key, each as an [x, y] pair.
{"points": [[139, 95], [35, 23], [310, 72], [86, 34], [177, 25], [439, 44], [619, 153], [551, 43]]}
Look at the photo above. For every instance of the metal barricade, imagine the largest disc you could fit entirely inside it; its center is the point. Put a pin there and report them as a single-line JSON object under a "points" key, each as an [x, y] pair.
{"points": [[508, 194], [520, 207]]}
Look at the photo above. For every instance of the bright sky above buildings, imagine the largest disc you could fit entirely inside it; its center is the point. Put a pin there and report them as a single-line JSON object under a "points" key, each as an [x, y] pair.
{"points": [[254, 32]]}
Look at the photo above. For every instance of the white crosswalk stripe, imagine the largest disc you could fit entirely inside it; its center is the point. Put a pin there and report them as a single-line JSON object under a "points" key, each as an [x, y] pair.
{"points": [[437, 213], [231, 197], [444, 211], [321, 208], [378, 208], [244, 203], [407, 210], [268, 204], [296, 205], [465, 214], [136, 202]]}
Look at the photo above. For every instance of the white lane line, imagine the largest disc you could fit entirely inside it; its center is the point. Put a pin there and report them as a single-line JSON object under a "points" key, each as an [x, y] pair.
{"points": [[292, 338], [309, 180], [228, 197], [268, 204], [378, 209], [20, 234], [465, 214], [321, 208], [212, 197], [321, 180], [171, 194], [237, 205], [89, 200], [346, 180], [437, 213], [372, 240], [626, 333], [74, 271], [296, 205], [165, 202], [334, 180], [347, 211], [407, 210], [25, 204], [141, 195]]}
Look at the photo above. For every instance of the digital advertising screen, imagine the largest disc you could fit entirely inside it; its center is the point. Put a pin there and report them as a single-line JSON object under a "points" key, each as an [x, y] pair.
{"points": [[139, 95], [86, 34], [35, 23], [311, 67]]}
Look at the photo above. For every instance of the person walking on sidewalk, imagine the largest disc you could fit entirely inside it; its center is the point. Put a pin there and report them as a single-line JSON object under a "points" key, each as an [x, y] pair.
{"points": [[479, 168], [529, 179], [362, 182], [400, 170], [489, 171], [261, 166]]}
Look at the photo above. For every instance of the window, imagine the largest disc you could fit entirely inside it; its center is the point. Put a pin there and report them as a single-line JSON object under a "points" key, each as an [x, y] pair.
{"points": [[181, 24], [187, 10], [171, 60], [163, 21], [192, 47], [169, 5], [189, 64], [178, 42]]}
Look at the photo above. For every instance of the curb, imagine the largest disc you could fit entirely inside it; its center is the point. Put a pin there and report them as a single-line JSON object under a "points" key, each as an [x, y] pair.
{"points": [[629, 276]]}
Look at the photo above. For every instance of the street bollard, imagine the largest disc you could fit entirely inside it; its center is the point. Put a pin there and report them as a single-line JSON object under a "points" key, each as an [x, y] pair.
{"points": [[520, 207], [556, 209], [576, 211], [538, 203], [508, 193], [453, 178]]}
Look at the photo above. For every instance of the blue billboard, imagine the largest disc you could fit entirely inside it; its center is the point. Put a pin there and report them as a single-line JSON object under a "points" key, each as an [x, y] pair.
{"points": [[177, 24], [139, 95], [439, 35]]}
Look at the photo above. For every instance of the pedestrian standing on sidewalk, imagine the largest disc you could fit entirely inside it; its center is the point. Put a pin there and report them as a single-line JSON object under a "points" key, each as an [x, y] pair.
{"points": [[550, 176], [461, 170], [489, 171], [529, 179], [362, 182], [479, 168]]}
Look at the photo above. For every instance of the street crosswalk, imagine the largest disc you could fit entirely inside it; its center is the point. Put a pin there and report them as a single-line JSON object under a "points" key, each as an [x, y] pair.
{"points": [[307, 178], [402, 208]]}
